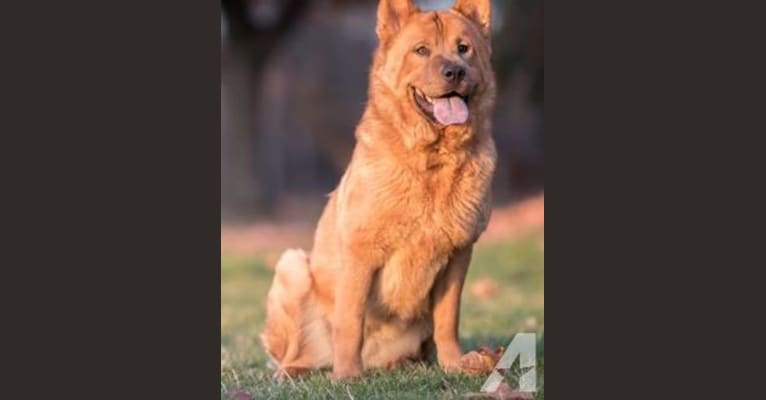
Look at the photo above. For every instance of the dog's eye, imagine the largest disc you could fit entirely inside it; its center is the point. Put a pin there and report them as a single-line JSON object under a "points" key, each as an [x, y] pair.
{"points": [[421, 50], [462, 48]]}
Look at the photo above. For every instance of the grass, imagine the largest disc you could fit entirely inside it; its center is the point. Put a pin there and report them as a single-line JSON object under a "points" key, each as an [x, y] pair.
{"points": [[517, 266]]}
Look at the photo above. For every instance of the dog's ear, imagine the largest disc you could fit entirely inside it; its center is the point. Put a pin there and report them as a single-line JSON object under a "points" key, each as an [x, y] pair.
{"points": [[392, 14], [478, 11]]}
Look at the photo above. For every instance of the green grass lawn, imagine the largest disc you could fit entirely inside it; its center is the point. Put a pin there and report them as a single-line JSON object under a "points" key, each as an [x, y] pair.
{"points": [[517, 306]]}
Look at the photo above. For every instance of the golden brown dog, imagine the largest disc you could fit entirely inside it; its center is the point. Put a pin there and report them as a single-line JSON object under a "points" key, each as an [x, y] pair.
{"points": [[391, 251]]}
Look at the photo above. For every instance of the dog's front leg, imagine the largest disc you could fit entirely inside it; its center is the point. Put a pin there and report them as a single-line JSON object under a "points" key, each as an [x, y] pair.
{"points": [[446, 314], [351, 292]]}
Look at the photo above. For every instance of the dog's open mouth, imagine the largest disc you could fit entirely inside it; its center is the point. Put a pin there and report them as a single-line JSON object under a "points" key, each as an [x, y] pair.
{"points": [[448, 109]]}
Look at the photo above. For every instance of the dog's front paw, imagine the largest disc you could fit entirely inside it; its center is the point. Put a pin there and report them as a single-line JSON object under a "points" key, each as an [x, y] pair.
{"points": [[346, 373], [451, 366], [449, 356]]}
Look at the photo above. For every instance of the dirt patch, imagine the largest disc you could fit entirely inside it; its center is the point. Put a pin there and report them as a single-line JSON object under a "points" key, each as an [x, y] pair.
{"points": [[269, 239], [516, 220]]}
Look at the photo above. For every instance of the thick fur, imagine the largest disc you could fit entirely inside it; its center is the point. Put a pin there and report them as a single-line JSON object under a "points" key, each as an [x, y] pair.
{"points": [[392, 247]]}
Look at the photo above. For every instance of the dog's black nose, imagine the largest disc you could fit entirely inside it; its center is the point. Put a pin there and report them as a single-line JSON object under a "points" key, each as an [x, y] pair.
{"points": [[453, 73]]}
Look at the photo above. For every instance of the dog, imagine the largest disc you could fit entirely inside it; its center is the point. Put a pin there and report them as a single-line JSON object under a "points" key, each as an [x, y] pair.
{"points": [[383, 282]]}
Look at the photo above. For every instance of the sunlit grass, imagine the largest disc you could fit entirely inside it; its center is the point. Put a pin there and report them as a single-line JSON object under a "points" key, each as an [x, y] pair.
{"points": [[517, 267]]}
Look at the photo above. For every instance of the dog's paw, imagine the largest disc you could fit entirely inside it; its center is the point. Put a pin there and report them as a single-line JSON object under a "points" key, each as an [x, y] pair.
{"points": [[346, 374], [451, 367], [450, 362]]}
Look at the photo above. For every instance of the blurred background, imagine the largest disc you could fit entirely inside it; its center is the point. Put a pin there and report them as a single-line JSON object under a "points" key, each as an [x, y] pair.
{"points": [[294, 77], [293, 87]]}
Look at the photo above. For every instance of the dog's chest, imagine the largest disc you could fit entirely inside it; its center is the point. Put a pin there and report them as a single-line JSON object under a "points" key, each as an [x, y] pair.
{"points": [[444, 208], [448, 209]]}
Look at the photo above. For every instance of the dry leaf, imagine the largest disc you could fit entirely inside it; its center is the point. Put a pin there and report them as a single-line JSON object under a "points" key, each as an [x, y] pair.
{"points": [[503, 392], [480, 362], [506, 393]]}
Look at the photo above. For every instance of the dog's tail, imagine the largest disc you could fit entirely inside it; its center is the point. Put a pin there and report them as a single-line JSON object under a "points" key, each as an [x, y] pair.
{"points": [[296, 337]]}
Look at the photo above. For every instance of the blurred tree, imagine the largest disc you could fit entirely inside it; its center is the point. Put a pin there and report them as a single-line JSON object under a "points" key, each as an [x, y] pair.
{"points": [[518, 61], [293, 85], [255, 29]]}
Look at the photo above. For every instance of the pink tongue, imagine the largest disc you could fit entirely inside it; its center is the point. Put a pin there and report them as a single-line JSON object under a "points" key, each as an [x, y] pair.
{"points": [[451, 110]]}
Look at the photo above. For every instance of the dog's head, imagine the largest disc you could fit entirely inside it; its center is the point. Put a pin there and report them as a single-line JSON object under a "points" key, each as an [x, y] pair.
{"points": [[438, 62]]}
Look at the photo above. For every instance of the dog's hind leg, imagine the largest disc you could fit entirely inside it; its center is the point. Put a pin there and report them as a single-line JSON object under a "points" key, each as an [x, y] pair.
{"points": [[296, 336]]}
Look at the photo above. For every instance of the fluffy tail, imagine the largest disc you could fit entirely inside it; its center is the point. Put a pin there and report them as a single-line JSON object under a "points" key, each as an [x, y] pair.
{"points": [[296, 336]]}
